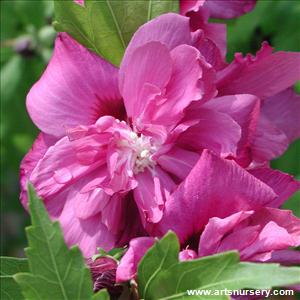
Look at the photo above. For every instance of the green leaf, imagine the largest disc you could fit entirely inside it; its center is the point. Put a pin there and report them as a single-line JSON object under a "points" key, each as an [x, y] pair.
{"points": [[56, 272], [13, 265], [160, 257], [101, 295], [211, 273], [9, 267], [106, 26]]}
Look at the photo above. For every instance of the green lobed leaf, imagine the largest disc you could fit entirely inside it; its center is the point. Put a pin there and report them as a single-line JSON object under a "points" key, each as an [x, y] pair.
{"points": [[56, 272], [9, 267], [106, 26], [212, 273]]}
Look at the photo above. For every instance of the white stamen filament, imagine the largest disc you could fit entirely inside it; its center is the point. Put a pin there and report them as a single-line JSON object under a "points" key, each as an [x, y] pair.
{"points": [[142, 151]]}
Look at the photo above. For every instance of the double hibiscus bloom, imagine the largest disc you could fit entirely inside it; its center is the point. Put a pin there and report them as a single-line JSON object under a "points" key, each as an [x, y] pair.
{"points": [[175, 139]]}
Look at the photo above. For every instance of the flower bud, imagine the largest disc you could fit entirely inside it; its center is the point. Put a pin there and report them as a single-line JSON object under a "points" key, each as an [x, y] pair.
{"points": [[103, 270]]}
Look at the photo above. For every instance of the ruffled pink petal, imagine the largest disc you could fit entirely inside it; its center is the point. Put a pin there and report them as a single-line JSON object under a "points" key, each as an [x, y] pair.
{"points": [[228, 9], [89, 224], [206, 192], [283, 218], [216, 229], [283, 110], [88, 234], [151, 193], [272, 237], [269, 141], [217, 33], [254, 234], [112, 215], [64, 163], [239, 239], [76, 89], [208, 49], [30, 160], [192, 79], [84, 228], [169, 29], [264, 75], [128, 265], [215, 131], [90, 203], [244, 110], [178, 161], [283, 184], [149, 64]]}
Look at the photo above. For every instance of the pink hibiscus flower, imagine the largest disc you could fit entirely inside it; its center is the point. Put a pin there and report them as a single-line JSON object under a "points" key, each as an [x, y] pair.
{"points": [[87, 165], [119, 146], [260, 236]]}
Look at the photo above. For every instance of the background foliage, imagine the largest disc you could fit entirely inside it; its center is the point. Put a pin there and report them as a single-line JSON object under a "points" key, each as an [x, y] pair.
{"points": [[26, 45]]}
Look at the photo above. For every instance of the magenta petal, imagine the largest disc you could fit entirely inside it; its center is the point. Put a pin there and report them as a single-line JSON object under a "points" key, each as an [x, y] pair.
{"points": [[264, 76], [216, 229], [76, 89], [115, 207], [269, 141], [243, 109], [150, 195], [207, 192], [62, 165], [169, 29], [185, 83], [255, 234], [283, 110], [215, 131], [31, 159], [229, 9], [284, 185], [88, 234], [278, 125], [209, 50], [272, 237], [215, 32], [283, 218], [218, 34], [88, 204], [128, 265], [150, 64], [192, 79], [240, 239], [178, 161]]}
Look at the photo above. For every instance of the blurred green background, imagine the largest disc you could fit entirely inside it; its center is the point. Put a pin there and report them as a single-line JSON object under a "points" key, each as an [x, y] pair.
{"points": [[26, 46]]}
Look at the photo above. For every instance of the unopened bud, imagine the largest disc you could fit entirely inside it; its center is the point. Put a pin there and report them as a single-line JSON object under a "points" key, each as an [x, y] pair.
{"points": [[103, 270]]}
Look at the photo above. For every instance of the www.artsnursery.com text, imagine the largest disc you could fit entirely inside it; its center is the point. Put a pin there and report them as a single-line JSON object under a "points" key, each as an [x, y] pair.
{"points": [[227, 292]]}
